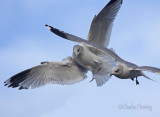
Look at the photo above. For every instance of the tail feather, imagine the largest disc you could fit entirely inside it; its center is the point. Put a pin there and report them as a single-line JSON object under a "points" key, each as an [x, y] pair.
{"points": [[101, 79], [103, 75], [148, 77]]}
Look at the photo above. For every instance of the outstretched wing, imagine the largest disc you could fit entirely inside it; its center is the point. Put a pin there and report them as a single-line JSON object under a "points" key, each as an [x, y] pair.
{"points": [[101, 27], [66, 72], [76, 39], [150, 69]]}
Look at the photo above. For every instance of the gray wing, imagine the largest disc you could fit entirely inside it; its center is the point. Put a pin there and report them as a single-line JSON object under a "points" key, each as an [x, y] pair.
{"points": [[150, 69], [76, 39], [66, 72], [101, 26]]}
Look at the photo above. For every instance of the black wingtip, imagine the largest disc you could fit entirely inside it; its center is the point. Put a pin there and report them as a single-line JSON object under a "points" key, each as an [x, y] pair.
{"points": [[15, 80], [49, 27], [56, 31], [20, 88], [121, 1], [5, 84], [113, 1], [10, 85]]}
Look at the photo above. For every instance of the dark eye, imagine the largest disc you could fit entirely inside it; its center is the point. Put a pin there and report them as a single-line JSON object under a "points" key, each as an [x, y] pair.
{"points": [[117, 71], [78, 50]]}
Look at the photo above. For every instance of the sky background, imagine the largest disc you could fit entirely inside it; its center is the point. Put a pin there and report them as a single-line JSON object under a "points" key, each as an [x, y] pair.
{"points": [[25, 42]]}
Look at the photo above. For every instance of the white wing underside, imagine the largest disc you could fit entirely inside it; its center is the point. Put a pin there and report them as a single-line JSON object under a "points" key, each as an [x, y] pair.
{"points": [[66, 72]]}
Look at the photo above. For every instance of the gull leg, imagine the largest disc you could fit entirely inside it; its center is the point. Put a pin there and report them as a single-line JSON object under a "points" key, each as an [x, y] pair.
{"points": [[132, 79], [92, 79], [99, 69], [137, 83], [93, 72]]}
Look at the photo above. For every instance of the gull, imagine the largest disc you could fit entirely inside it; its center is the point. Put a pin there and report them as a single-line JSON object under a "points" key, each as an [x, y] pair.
{"points": [[123, 69], [73, 69]]}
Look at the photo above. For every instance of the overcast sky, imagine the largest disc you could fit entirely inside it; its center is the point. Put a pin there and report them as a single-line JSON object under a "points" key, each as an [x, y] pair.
{"points": [[25, 42]]}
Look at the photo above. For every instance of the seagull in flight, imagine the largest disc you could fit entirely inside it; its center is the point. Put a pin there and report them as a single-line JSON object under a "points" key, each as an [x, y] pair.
{"points": [[123, 69], [84, 58]]}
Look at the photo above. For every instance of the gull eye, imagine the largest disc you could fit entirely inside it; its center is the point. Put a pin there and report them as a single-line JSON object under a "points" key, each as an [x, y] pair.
{"points": [[117, 71]]}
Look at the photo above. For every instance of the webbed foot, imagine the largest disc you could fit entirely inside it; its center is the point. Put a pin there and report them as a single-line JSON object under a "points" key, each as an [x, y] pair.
{"points": [[137, 83]]}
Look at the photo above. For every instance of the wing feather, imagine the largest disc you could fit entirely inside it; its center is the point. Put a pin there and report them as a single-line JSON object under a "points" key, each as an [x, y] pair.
{"points": [[101, 26], [79, 40], [149, 69], [51, 73]]}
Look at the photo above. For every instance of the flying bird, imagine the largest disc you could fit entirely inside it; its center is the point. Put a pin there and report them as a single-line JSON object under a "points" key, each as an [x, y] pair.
{"points": [[123, 69], [73, 69]]}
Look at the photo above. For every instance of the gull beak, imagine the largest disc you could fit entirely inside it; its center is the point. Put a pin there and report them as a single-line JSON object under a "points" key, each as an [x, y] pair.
{"points": [[111, 74]]}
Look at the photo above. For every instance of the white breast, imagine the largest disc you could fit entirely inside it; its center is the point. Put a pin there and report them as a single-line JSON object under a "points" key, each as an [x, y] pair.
{"points": [[88, 59]]}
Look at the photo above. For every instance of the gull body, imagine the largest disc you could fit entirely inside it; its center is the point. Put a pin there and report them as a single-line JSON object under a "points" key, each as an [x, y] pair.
{"points": [[123, 69], [100, 66], [100, 31], [73, 69], [86, 58]]}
